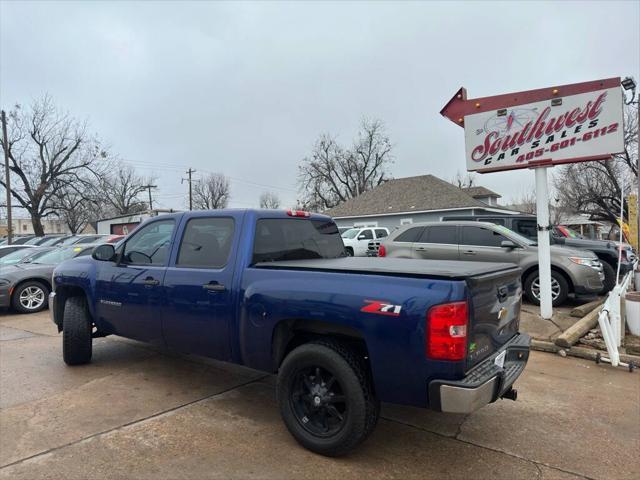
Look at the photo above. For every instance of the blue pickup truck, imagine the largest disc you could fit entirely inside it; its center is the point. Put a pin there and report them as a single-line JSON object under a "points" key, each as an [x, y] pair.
{"points": [[273, 290]]}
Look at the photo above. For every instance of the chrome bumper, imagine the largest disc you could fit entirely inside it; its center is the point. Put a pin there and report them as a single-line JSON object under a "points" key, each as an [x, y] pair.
{"points": [[485, 383]]}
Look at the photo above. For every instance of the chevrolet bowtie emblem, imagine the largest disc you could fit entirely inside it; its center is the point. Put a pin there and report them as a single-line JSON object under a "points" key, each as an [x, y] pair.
{"points": [[502, 313]]}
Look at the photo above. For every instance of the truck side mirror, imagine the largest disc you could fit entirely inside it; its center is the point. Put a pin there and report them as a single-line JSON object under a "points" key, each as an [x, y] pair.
{"points": [[362, 236], [103, 253]]}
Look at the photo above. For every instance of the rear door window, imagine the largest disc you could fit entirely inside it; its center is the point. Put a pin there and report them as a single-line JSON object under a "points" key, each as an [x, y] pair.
{"points": [[296, 239], [206, 242], [445, 234], [410, 236], [481, 237]]}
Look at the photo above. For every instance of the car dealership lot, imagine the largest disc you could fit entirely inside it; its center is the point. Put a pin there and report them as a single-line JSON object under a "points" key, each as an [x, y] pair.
{"points": [[143, 412]]}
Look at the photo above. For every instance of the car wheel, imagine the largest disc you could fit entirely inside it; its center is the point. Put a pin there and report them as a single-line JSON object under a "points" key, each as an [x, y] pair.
{"points": [[349, 251], [559, 288], [609, 278], [326, 399], [30, 297], [76, 332]]}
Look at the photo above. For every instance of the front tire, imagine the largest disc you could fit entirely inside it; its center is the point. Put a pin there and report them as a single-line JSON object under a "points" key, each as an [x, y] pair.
{"points": [[559, 288], [76, 332], [30, 297], [326, 399], [349, 251], [609, 278]]}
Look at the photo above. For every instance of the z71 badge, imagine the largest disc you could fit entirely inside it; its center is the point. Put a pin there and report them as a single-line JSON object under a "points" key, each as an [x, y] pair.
{"points": [[381, 308]]}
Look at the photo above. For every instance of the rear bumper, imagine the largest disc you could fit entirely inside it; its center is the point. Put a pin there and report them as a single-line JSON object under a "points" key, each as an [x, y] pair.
{"points": [[485, 383]]}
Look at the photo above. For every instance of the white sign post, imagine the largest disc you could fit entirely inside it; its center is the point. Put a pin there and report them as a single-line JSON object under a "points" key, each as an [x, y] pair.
{"points": [[538, 129]]}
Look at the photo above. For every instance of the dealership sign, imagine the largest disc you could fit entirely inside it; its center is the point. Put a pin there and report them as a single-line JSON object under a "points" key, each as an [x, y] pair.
{"points": [[563, 124]]}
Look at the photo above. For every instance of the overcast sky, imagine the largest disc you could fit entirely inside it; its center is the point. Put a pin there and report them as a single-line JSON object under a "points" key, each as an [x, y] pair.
{"points": [[245, 88]]}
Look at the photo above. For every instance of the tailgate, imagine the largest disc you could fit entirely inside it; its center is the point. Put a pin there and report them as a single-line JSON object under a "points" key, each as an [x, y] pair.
{"points": [[494, 301]]}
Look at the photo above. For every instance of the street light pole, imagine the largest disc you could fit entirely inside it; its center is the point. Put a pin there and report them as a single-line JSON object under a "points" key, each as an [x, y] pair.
{"points": [[7, 178]]}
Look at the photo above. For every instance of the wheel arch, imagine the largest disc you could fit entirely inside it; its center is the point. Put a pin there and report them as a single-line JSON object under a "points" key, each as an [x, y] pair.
{"points": [[291, 333], [64, 292]]}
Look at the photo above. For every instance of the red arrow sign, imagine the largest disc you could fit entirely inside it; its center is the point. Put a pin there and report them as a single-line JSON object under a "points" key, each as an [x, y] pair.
{"points": [[459, 106]]}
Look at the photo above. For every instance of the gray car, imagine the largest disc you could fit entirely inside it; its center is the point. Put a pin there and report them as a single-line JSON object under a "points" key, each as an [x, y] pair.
{"points": [[572, 271], [25, 286]]}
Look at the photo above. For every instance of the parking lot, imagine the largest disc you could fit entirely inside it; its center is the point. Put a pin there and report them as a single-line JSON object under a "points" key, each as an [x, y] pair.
{"points": [[143, 412]]}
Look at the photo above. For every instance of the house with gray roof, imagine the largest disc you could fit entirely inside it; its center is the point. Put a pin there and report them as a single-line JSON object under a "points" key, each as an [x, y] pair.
{"points": [[424, 198]]}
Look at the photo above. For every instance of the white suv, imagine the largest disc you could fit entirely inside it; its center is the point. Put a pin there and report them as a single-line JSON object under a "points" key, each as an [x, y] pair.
{"points": [[356, 240]]}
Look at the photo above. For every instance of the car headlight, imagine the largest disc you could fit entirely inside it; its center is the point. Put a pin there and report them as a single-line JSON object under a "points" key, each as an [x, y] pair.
{"points": [[587, 262]]}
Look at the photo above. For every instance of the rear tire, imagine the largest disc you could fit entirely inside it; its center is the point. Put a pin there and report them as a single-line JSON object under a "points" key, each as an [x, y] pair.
{"points": [[609, 277], [76, 332], [326, 398], [560, 282]]}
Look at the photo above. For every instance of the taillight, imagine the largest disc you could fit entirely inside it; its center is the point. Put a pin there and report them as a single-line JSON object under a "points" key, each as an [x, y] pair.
{"points": [[382, 252], [446, 333]]}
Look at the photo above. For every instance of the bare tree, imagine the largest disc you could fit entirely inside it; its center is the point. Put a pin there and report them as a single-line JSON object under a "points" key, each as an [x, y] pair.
{"points": [[332, 174], [121, 190], [211, 192], [269, 200], [74, 207], [47, 150], [466, 180]]}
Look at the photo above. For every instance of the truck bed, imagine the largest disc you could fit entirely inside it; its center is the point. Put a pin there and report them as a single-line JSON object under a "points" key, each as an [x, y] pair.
{"points": [[441, 269]]}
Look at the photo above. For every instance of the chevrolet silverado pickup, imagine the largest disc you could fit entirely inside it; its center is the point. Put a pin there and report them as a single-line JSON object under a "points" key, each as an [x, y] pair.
{"points": [[274, 291]]}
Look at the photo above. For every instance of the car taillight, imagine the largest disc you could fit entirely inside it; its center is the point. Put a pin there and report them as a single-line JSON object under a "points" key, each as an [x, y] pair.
{"points": [[446, 333], [382, 252]]}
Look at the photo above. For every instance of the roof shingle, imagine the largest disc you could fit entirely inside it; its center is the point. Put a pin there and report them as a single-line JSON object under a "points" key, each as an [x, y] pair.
{"points": [[410, 194]]}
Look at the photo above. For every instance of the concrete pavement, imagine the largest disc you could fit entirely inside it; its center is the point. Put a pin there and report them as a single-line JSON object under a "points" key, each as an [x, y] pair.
{"points": [[142, 412]]}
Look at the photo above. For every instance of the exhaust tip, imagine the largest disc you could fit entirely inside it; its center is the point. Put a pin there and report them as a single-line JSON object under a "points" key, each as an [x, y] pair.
{"points": [[511, 394]]}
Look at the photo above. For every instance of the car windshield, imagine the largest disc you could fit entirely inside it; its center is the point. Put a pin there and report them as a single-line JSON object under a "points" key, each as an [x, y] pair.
{"points": [[33, 241], [22, 255], [69, 240], [57, 255], [571, 233], [351, 233], [515, 236]]}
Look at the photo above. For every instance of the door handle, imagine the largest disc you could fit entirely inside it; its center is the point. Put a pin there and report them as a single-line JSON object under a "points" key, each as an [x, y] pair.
{"points": [[214, 287], [421, 249], [150, 282], [469, 252]]}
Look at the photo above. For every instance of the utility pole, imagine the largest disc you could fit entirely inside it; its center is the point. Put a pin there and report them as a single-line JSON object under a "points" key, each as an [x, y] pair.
{"points": [[189, 172], [149, 187], [7, 178]]}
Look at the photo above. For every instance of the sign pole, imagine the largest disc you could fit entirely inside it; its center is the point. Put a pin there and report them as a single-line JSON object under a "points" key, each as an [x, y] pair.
{"points": [[544, 247]]}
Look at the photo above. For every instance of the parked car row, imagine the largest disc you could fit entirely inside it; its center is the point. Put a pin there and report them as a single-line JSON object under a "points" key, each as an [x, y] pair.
{"points": [[26, 268], [60, 239]]}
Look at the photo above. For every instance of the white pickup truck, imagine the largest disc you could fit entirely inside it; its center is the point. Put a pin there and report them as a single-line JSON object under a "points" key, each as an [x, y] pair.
{"points": [[356, 240]]}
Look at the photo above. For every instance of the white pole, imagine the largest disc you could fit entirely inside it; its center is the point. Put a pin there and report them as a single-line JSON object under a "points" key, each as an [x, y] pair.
{"points": [[544, 249]]}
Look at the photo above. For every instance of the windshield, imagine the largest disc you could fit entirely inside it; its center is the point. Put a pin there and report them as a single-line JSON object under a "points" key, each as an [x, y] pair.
{"points": [[568, 232], [351, 233], [22, 255], [69, 240], [515, 236], [57, 255]]}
